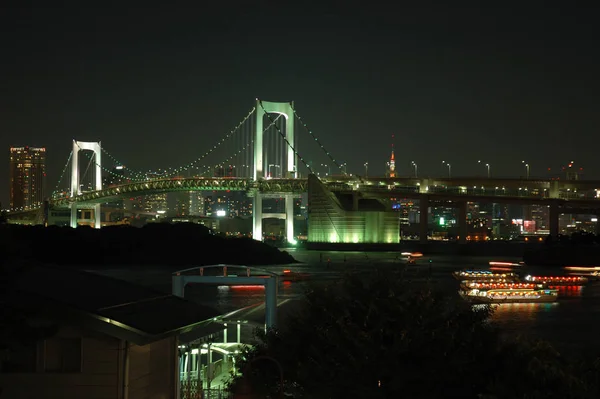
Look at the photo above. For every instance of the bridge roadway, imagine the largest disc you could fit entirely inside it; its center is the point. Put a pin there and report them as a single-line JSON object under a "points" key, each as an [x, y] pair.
{"points": [[465, 187], [583, 192]]}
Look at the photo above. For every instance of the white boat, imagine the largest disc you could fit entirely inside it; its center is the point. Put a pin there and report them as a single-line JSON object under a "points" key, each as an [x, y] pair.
{"points": [[483, 275], [491, 285], [555, 281], [510, 295]]}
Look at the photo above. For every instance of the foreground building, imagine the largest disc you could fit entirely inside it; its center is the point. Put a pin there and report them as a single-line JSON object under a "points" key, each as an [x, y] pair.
{"points": [[113, 339]]}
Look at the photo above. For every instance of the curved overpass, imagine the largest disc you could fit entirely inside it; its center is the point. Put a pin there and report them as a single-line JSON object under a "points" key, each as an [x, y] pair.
{"points": [[468, 186], [185, 184]]}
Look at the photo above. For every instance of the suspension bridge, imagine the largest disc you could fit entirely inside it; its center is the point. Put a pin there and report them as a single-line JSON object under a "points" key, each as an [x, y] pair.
{"points": [[260, 156]]}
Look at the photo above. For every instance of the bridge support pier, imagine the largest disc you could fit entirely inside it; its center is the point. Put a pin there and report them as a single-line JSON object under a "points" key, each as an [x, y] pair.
{"points": [[289, 218], [97, 216], [462, 222], [257, 212], [553, 215], [423, 219], [73, 207], [258, 215]]}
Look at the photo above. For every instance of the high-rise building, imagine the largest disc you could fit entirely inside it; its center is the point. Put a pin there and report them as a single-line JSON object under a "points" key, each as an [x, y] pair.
{"points": [[27, 176]]}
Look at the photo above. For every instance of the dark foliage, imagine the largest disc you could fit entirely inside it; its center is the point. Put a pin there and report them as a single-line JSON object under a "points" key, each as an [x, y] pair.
{"points": [[378, 337], [154, 244]]}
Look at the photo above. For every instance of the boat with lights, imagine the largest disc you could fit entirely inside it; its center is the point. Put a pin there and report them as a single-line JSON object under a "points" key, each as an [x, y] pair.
{"points": [[510, 295], [554, 281], [484, 275], [490, 285]]}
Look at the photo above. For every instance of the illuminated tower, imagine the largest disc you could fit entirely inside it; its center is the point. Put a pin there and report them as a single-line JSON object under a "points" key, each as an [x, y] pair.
{"points": [[391, 172]]}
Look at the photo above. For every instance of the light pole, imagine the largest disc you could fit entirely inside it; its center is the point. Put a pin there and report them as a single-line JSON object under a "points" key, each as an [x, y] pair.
{"points": [[413, 163], [487, 165], [449, 168], [366, 169], [526, 168]]}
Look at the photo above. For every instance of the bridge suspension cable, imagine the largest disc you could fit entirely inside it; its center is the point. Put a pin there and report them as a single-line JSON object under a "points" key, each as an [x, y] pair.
{"points": [[319, 142], [103, 168], [284, 137], [62, 174], [241, 151], [210, 151], [138, 175]]}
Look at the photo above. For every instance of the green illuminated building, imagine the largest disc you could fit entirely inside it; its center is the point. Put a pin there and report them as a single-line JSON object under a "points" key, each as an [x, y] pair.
{"points": [[346, 217]]}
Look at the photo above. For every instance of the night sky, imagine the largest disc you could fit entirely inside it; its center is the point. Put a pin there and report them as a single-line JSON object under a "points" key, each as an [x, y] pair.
{"points": [[158, 85]]}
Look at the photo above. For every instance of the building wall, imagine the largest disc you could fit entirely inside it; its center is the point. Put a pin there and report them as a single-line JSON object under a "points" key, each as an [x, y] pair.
{"points": [[101, 370], [97, 376], [329, 222], [152, 370]]}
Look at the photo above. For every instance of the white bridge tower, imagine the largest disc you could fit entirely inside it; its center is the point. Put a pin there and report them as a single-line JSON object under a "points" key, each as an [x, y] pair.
{"points": [[75, 178], [290, 170]]}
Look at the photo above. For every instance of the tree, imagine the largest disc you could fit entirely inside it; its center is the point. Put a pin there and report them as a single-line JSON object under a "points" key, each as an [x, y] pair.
{"points": [[377, 336]]}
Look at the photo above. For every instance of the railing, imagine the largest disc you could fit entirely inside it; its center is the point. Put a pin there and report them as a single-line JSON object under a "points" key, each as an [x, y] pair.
{"points": [[191, 390]]}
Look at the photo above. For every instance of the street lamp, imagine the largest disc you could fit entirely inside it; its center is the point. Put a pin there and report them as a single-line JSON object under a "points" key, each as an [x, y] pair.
{"points": [[366, 169], [449, 168], [488, 168], [415, 166], [526, 168]]}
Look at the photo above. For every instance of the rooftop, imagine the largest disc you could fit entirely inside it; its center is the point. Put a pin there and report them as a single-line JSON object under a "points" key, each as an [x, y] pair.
{"points": [[116, 307]]}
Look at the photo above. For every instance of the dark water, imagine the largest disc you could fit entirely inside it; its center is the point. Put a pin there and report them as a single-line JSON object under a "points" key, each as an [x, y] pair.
{"points": [[571, 324]]}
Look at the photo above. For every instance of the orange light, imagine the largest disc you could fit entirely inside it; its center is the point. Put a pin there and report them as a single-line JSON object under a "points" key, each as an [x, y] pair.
{"points": [[287, 271], [501, 264]]}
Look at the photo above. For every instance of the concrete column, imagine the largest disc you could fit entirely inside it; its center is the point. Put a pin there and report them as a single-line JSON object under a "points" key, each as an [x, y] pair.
{"points": [[257, 172], [73, 207], [554, 191], [239, 331], [462, 222], [423, 219], [225, 333], [424, 187], [289, 218], [257, 208], [97, 216], [178, 286], [553, 219], [292, 163], [271, 302]]}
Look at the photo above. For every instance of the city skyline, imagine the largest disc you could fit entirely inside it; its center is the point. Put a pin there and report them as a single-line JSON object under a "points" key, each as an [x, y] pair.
{"points": [[495, 86]]}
